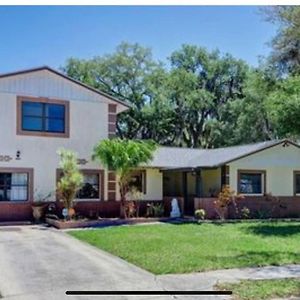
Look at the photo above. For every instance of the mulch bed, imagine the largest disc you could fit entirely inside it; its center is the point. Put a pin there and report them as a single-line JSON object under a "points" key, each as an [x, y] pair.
{"points": [[61, 224]]}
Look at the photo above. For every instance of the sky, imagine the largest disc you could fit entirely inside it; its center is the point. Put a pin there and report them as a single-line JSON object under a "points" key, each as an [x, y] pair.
{"points": [[33, 36]]}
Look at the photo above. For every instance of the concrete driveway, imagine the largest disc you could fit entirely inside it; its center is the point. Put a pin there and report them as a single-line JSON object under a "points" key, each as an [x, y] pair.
{"points": [[42, 263]]}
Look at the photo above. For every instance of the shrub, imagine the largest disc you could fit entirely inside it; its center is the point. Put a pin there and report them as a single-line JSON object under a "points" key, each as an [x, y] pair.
{"points": [[71, 180], [262, 214], [245, 213], [200, 214], [225, 198], [130, 209], [135, 196], [155, 210]]}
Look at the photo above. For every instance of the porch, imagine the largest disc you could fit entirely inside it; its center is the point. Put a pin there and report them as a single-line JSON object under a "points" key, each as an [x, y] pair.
{"points": [[197, 187]]}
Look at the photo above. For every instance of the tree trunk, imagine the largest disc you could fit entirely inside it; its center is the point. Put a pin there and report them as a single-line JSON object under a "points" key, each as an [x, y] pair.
{"points": [[123, 214]]}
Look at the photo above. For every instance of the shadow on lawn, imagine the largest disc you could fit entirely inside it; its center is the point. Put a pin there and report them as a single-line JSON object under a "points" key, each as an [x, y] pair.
{"points": [[256, 258], [273, 230]]}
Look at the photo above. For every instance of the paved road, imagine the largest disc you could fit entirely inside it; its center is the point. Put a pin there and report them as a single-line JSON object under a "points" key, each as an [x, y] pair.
{"points": [[40, 263]]}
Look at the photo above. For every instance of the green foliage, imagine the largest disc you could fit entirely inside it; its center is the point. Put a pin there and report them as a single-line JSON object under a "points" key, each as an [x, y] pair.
{"points": [[72, 179], [245, 213], [265, 289], [131, 75], [155, 210], [286, 44], [251, 109], [204, 99], [200, 214], [123, 156], [186, 101], [201, 84], [262, 214], [284, 107]]}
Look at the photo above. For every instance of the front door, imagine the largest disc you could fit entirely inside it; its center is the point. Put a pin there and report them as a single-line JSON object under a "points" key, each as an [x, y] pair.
{"points": [[189, 183]]}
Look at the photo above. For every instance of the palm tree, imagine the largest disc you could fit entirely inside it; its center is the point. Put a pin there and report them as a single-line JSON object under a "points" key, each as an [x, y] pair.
{"points": [[122, 156]]}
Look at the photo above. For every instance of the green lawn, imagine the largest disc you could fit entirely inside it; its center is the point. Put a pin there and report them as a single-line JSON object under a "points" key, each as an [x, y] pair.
{"points": [[263, 289], [166, 248]]}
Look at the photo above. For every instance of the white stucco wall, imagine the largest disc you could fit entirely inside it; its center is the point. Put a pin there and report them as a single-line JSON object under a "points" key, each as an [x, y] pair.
{"points": [[154, 185], [279, 163], [154, 182], [211, 181], [47, 84], [88, 125]]}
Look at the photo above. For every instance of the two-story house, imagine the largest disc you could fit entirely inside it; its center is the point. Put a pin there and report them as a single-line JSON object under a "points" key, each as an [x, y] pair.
{"points": [[41, 111]]}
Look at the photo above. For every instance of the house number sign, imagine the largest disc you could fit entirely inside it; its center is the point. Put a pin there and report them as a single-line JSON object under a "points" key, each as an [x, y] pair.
{"points": [[5, 158], [82, 161]]}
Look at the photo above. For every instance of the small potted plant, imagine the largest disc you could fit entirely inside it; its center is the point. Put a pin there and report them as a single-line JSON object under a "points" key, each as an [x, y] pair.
{"points": [[38, 205]]}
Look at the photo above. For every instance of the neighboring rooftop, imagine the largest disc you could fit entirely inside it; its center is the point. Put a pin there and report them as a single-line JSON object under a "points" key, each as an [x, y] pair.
{"points": [[186, 158]]}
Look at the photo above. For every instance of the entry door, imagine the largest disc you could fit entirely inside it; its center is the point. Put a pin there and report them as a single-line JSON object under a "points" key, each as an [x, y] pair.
{"points": [[189, 193]]}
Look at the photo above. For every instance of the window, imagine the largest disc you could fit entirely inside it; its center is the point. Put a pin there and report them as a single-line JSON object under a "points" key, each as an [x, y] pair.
{"points": [[42, 117], [138, 180], [14, 186], [251, 182], [297, 182], [93, 184], [90, 188]]}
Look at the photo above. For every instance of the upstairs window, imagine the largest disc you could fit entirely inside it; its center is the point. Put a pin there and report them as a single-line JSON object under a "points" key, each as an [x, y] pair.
{"points": [[251, 182], [43, 117]]}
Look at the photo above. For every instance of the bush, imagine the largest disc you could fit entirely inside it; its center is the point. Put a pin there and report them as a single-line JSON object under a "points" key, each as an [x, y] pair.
{"points": [[245, 213], [225, 198], [200, 214], [263, 214], [71, 180], [155, 210]]}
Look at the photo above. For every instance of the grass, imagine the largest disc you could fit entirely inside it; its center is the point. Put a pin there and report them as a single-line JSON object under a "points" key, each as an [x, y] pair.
{"points": [[263, 289], [166, 248]]}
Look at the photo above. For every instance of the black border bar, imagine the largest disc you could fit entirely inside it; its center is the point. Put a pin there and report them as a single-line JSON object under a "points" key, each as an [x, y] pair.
{"points": [[146, 293]]}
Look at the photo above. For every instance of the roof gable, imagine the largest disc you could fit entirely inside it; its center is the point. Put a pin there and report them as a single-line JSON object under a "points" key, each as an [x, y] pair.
{"points": [[181, 158], [47, 82]]}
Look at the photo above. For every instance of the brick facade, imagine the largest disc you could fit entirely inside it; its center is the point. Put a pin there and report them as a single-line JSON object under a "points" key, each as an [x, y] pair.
{"points": [[259, 206]]}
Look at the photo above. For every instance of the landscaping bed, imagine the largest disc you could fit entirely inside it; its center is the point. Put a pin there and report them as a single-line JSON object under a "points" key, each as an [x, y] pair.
{"points": [[84, 223], [184, 248], [263, 289]]}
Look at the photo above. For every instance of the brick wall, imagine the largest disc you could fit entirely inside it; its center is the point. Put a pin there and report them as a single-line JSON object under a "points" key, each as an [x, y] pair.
{"points": [[15, 211], [104, 209], [280, 207]]}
